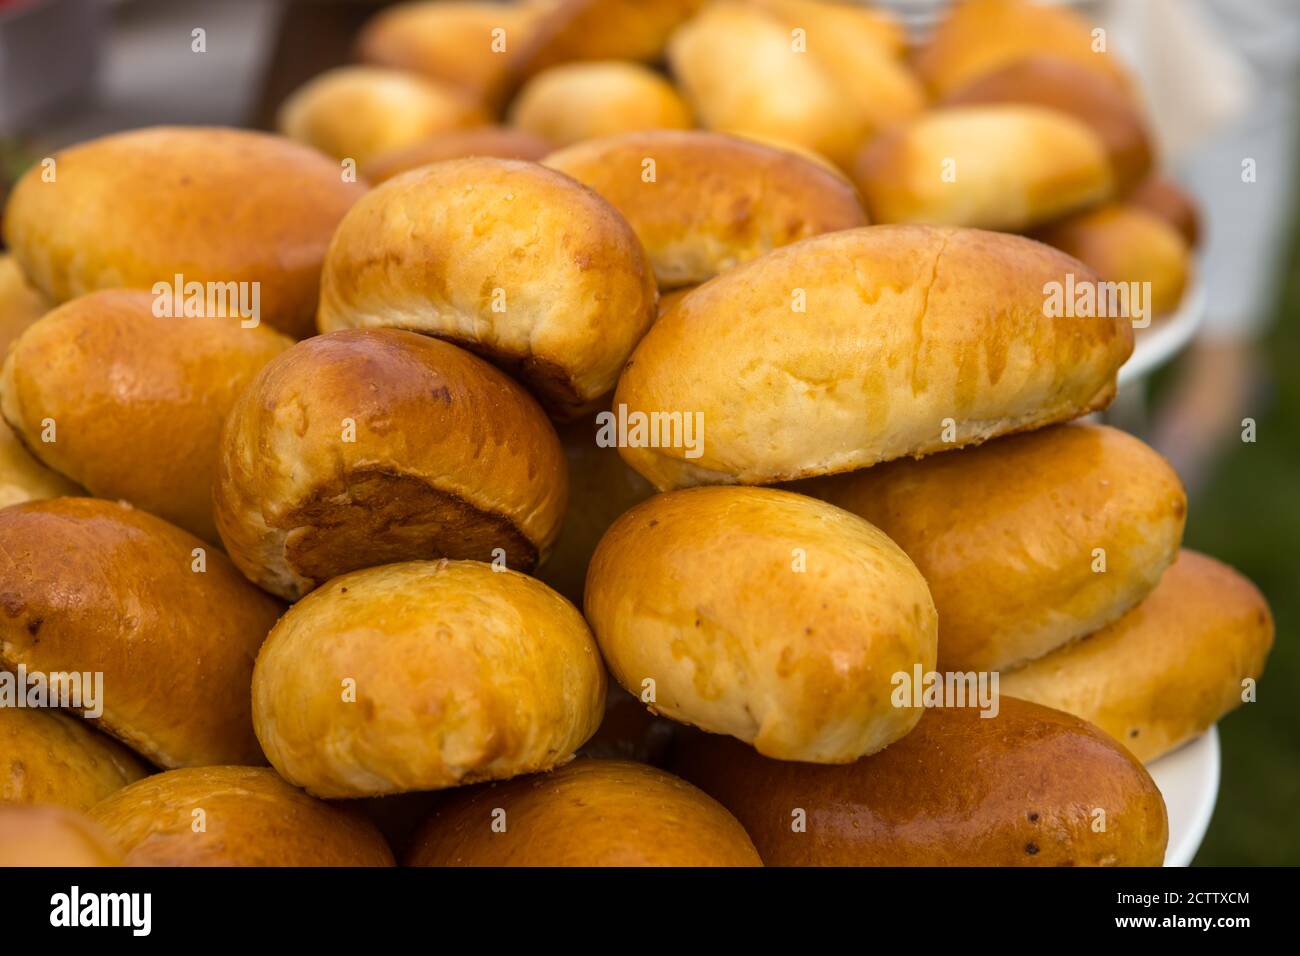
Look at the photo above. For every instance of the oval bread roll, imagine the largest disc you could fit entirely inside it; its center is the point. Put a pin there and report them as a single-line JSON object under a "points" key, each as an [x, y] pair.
{"points": [[578, 101], [48, 757], [369, 446], [1007, 167], [1167, 670], [762, 614], [582, 30], [862, 346], [52, 836], [20, 303], [1021, 788], [459, 672], [97, 586], [138, 208], [508, 259], [137, 401], [588, 813], [501, 142], [711, 201], [1050, 499], [250, 818], [355, 112], [1171, 202]]}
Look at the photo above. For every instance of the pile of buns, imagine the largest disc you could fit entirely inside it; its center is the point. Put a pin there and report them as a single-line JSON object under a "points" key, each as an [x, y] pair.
{"points": [[699, 373]]}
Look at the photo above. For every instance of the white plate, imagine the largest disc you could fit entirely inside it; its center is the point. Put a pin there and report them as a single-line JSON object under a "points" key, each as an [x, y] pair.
{"points": [[1189, 780], [1160, 343]]}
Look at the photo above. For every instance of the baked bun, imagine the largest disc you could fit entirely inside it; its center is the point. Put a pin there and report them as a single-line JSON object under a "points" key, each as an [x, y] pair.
{"points": [[1167, 670], [861, 346], [1023, 788], [52, 836], [500, 142], [588, 813], [425, 675], [578, 101], [572, 30], [139, 208], [508, 259], [1126, 244], [48, 757], [369, 446], [356, 112], [1171, 202], [1050, 499], [249, 817], [98, 587], [465, 45], [981, 36], [23, 477], [1091, 97], [762, 614], [20, 303], [137, 401], [710, 202], [1006, 167]]}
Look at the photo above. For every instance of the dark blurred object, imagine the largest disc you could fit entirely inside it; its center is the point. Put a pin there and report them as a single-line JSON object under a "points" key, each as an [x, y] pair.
{"points": [[48, 54]]}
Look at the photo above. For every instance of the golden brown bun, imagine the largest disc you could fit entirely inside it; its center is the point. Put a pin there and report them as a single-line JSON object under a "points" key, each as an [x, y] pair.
{"points": [[1091, 97], [571, 30], [739, 70], [910, 335], [981, 36], [1172, 203], [23, 477], [235, 816], [97, 586], [588, 813], [1048, 499], [210, 204], [137, 401], [1006, 166], [1020, 789], [465, 45], [1125, 243], [52, 836], [579, 101], [1167, 670], [712, 201], [425, 675], [601, 487], [762, 614], [48, 757], [501, 142], [370, 446], [509, 259], [20, 303], [357, 112]]}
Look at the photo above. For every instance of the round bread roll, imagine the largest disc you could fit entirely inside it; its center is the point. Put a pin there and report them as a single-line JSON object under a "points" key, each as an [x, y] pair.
{"points": [[98, 587], [509, 259], [570, 30], [762, 614], [1171, 202], [981, 36], [1091, 97], [249, 816], [20, 303], [1050, 499], [52, 836], [501, 142], [425, 675], [23, 477], [588, 813], [369, 446], [48, 757], [578, 101], [213, 206], [356, 112], [1006, 167], [862, 346], [1167, 670], [137, 402], [1023, 788], [702, 202], [465, 45], [1123, 243]]}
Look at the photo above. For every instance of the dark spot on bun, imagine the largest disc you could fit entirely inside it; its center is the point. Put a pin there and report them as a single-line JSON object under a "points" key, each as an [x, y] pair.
{"points": [[1033, 817], [1031, 849], [34, 625]]}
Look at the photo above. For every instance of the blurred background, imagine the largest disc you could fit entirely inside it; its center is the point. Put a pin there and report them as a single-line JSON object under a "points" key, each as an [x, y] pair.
{"points": [[1219, 79]]}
